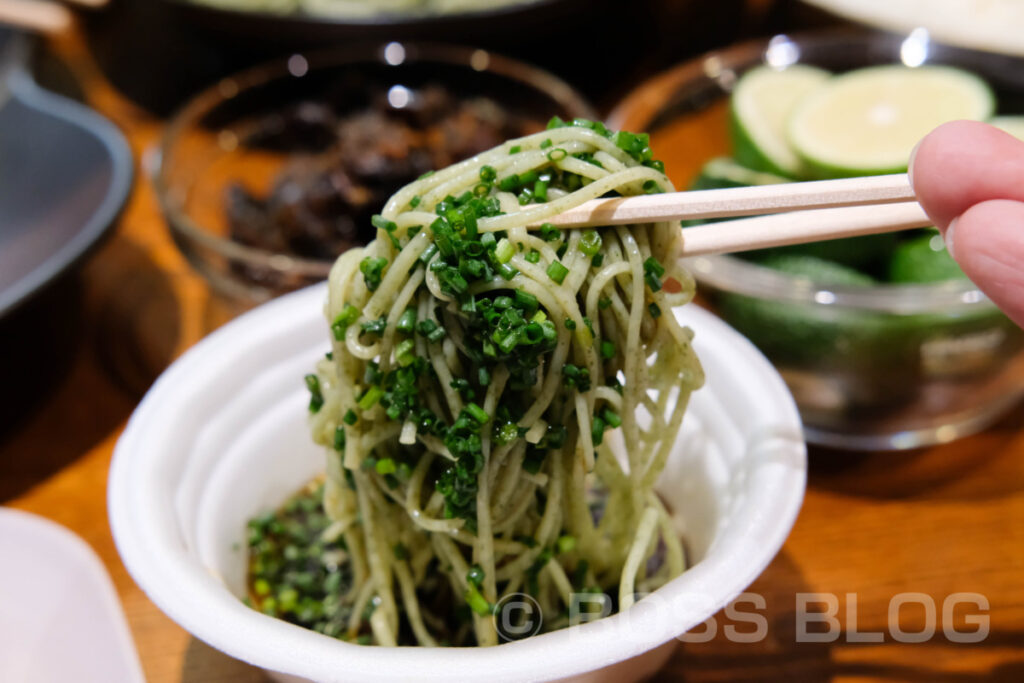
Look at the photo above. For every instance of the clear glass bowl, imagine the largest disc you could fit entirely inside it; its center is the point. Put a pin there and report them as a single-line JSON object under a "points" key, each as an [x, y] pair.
{"points": [[872, 368], [204, 150]]}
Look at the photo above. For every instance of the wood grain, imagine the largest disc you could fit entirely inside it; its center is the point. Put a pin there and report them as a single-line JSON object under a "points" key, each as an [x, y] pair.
{"points": [[938, 521]]}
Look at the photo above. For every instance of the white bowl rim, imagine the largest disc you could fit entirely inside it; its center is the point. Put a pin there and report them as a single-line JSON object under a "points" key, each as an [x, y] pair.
{"points": [[193, 598]]}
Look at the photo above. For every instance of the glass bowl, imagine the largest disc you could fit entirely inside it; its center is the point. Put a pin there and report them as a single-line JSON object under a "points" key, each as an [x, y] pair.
{"points": [[893, 366], [231, 136]]}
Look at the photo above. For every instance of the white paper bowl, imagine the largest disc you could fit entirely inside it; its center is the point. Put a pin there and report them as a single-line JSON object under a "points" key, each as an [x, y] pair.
{"points": [[222, 436]]}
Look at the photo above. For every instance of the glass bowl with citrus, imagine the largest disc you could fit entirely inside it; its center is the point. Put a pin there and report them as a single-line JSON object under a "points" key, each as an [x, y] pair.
{"points": [[883, 340]]}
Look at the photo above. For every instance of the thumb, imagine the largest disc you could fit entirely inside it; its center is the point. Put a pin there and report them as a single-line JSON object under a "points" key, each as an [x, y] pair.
{"points": [[987, 240]]}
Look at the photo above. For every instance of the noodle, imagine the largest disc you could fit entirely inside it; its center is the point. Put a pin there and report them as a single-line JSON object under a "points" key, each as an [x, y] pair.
{"points": [[480, 362]]}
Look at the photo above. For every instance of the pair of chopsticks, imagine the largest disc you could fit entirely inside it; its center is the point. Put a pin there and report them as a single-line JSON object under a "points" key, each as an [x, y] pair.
{"points": [[804, 212], [42, 16]]}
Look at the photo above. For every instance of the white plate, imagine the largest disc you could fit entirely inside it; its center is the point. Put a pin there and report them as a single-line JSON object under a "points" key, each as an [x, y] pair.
{"points": [[59, 615], [222, 436], [992, 25]]}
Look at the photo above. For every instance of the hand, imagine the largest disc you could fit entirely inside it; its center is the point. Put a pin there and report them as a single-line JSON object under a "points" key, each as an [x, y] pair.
{"points": [[969, 177]]}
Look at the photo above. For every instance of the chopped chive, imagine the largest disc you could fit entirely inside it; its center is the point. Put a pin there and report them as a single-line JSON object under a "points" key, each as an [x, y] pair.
{"points": [[508, 183], [404, 353], [655, 310], [483, 376], [515, 149], [530, 177], [372, 270], [316, 397], [339, 439], [557, 154], [477, 413], [443, 237], [597, 431], [349, 314], [651, 265], [604, 302], [488, 174], [651, 187], [547, 143], [350, 417], [540, 190], [504, 251], [557, 272], [407, 323], [428, 254], [590, 242], [611, 418], [533, 256], [597, 261], [376, 327], [385, 466], [415, 201], [475, 575], [549, 233], [477, 602], [526, 301], [570, 324], [566, 544], [507, 272], [607, 349], [370, 398]]}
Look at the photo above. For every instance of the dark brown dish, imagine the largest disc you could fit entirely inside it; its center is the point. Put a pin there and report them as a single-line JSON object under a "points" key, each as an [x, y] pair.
{"points": [[267, 176]]}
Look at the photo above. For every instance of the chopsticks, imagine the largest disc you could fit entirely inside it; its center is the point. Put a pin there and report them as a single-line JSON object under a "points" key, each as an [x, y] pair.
{"points": [[817, 210]]}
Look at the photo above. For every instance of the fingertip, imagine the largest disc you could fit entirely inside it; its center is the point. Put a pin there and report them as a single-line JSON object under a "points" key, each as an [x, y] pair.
{"points": [[989, 246], [962, 163]]}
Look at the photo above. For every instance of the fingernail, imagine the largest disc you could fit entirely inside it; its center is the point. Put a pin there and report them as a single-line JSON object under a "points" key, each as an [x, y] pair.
{"points": [[910, 164], [948, 237]]}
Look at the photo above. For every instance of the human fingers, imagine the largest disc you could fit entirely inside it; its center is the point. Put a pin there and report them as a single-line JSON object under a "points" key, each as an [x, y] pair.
{"points": [[987, 240], [964, 163]]}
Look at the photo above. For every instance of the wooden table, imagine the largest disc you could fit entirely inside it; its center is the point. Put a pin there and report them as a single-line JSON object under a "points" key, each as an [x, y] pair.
{"points": [[873, 528]]}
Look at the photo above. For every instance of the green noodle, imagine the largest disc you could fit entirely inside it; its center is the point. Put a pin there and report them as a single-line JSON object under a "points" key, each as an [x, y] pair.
{"points": [[495, 473]]}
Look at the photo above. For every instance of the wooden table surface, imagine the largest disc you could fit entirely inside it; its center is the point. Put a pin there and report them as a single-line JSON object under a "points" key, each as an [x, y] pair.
{"points": [[874, 528]]}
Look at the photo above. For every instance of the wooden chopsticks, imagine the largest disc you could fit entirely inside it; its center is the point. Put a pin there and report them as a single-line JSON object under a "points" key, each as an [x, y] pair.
{"points": [[805, 212]]}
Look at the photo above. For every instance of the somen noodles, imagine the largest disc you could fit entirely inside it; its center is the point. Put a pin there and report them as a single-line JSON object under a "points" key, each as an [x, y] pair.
{"points": [[483, 364]]}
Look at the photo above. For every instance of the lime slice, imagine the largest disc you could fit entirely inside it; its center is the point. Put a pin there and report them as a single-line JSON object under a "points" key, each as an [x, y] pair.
{"points": [[760, 108], [1014, 125], [923, 259], [722, 172], [867, 121]]}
